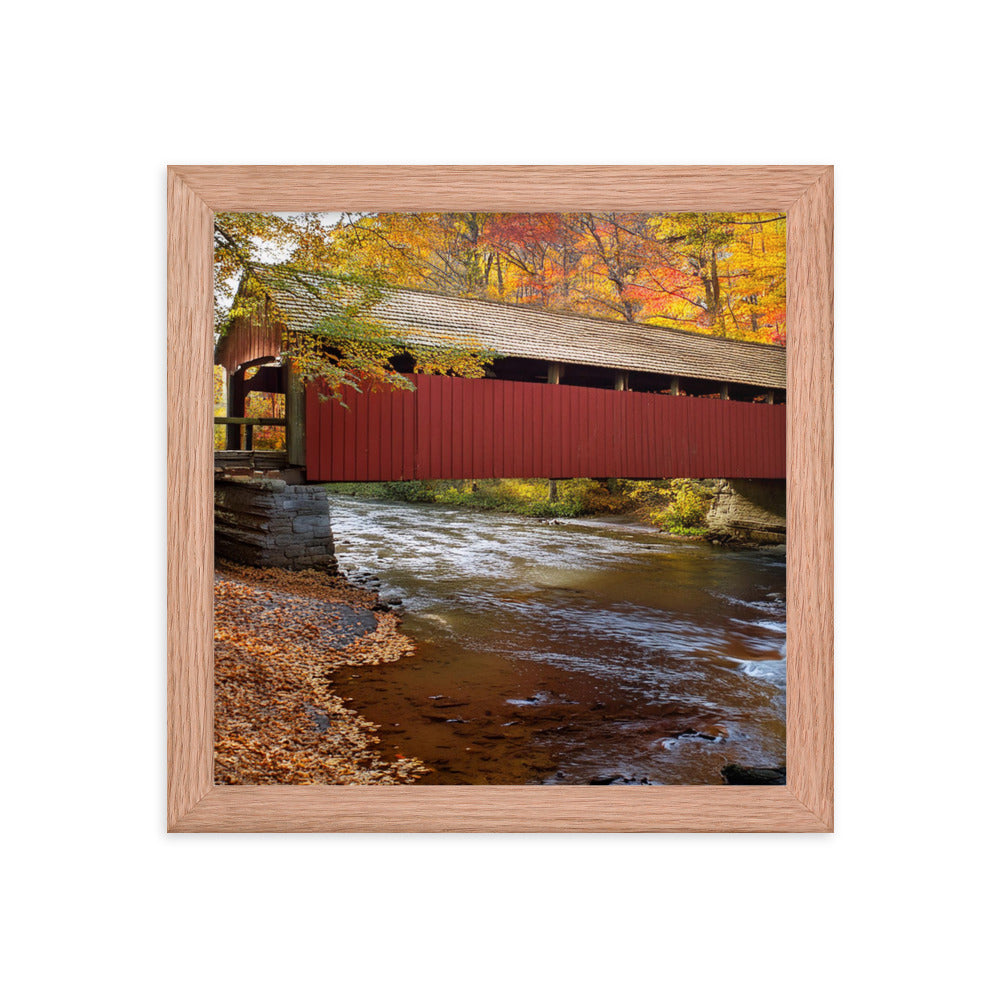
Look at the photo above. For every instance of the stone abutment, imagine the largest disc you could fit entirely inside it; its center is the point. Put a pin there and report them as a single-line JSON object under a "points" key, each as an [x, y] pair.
{"points": [[267, 522], [747, 511]]}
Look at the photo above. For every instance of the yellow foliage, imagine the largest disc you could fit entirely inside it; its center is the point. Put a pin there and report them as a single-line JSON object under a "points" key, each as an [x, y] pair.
{"points": [[715, 273]]}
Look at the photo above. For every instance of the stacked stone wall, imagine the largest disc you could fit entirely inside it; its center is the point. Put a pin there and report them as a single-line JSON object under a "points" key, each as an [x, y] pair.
{"points": [[748, 510], [267, 522]]}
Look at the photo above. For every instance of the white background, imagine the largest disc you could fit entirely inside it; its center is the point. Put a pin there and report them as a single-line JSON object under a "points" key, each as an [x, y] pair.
{"points": [[900, 901]]}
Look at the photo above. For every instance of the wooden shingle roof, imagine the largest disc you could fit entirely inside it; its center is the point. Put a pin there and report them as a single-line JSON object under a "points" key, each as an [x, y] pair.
{"points": [[528, 332]]}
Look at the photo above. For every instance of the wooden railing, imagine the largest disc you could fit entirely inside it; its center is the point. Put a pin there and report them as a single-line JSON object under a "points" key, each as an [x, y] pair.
{"points": [[247, 424]]}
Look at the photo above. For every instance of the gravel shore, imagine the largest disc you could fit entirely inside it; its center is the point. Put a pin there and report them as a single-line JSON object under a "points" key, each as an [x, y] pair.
{"points": [[280, 638]]}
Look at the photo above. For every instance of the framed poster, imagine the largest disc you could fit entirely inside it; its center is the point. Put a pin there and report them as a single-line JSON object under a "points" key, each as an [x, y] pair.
{"points": [[803, 197]]}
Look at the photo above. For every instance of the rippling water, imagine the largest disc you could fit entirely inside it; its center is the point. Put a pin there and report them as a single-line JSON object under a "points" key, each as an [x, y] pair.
{"points": [[568, 652]]}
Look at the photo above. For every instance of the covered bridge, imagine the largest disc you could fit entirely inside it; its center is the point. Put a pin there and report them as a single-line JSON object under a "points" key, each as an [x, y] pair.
{"points": [[567, 396]]}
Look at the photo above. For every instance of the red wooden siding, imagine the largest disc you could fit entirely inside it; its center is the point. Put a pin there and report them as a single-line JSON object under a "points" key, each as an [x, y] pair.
{"points": [[249, 338], [453, 428]]}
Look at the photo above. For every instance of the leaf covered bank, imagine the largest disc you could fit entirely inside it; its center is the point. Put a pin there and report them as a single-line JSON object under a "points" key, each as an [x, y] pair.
{"points": [[280, 639]]}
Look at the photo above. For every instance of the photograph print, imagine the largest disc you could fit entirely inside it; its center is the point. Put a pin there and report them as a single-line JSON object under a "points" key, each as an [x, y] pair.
{"points": [[500, 498]]}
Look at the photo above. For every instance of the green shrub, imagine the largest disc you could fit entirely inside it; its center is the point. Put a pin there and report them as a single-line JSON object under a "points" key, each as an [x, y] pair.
{"points": [[685, 514], [411, 491], [594, 496], [553, 508], [376, 490], [648, 493]]}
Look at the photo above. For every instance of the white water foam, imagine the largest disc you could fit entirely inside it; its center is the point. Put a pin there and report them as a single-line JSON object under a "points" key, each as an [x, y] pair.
{"points": [[773, 671]]}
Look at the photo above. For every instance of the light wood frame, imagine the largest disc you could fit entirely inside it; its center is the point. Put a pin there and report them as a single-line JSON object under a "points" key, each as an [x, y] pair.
{"points": [[805, 193]]}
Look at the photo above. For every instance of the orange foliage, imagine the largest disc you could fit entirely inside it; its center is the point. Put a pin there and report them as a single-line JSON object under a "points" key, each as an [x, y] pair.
{"points": [[715, 273]]}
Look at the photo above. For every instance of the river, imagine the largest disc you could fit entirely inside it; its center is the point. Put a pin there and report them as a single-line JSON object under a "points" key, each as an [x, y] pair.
{"points": [[574, 652]]}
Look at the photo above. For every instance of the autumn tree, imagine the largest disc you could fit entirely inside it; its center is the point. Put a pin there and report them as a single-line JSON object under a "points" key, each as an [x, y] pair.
{"points": [[737, 263], [347, 347], [721, 274]]}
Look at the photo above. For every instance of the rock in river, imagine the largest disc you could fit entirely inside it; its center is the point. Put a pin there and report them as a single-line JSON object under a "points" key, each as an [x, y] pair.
{"points": [[735, 774]]}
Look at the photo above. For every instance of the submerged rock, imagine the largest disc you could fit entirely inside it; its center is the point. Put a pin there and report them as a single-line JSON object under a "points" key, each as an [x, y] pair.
{"points": [[736, 774], [621, 779]]}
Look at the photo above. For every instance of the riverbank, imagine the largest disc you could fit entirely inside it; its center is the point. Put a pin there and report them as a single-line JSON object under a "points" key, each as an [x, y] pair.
{"points": [[674, 506], [281, 637]]}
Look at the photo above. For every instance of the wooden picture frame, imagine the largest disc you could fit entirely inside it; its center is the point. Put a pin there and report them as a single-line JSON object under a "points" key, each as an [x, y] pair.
{"points": [[805, 193]]}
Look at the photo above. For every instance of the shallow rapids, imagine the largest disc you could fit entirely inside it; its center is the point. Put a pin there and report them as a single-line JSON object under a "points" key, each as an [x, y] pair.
{"points": [[572, 652]]}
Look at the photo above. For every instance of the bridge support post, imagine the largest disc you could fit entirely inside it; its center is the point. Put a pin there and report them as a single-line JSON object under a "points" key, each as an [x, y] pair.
{"points": [[555, 374], [295, 416], [235, 407]]}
